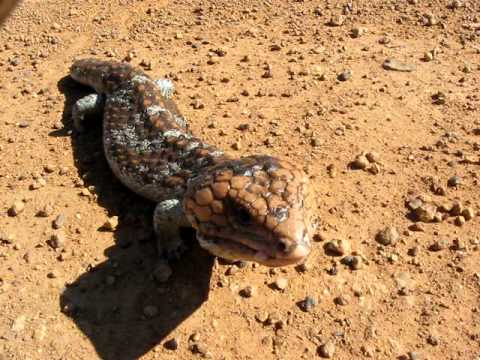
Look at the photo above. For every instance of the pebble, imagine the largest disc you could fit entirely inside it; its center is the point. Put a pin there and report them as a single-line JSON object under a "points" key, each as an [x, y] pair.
{"points": [[150, 311], [111, 223], [460, 221], [340, 300], [373, 157], [457, 208], [357, 32], [345, 75], [327, 350], [353, 262], [388, 236], [171, 344], [201, 349], [248, 291], [337, 20], [468, 213], [396, 65], [426, 213], [432, 340], [439, 98], [162, 272], [360, 162], [59, 221], [417, 227], [281, 283], [46, 211], [49, 168], [337, 247], [57, 240], [439, 245], [16, 208], [454, 181], [307, 304]]}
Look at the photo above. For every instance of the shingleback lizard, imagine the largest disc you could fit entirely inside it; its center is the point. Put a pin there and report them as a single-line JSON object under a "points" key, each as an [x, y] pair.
{"points": [[253, 208]]}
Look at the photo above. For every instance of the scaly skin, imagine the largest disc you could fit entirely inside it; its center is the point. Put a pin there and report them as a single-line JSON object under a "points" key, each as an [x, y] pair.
{"points": [[255, 208]]}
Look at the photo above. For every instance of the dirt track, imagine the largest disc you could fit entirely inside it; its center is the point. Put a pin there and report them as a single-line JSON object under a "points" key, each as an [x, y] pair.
{"points": [[273, 65]]}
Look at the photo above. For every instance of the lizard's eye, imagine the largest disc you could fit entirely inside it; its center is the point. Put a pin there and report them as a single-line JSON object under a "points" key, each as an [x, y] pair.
{"points": [[242, 216]]}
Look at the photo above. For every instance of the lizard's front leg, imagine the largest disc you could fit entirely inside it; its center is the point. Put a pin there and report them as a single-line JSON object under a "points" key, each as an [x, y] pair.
{"points": [[168, 218], [89, 105]]}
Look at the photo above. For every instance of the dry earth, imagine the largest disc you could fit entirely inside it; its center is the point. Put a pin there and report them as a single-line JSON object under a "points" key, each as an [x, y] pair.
{"points": [[89, 293]]}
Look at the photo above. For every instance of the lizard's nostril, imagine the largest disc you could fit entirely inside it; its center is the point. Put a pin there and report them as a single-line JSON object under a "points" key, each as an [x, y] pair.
{"points": [[282, 246]]}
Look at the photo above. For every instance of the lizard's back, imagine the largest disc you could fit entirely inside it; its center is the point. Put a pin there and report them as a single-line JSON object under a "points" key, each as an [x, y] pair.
{"points": [[146, 139]]}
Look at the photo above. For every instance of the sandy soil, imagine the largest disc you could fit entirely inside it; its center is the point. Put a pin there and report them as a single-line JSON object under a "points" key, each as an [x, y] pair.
{"points": [[83, 292]]}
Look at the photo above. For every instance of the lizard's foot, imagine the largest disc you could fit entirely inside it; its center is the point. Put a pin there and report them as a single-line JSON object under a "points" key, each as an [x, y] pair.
{"points": [[168, 218], [166, 87], [89, 105]]}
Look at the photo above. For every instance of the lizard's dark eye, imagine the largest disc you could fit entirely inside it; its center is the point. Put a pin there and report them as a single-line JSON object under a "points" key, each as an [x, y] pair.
{"points": [[243, 216]]}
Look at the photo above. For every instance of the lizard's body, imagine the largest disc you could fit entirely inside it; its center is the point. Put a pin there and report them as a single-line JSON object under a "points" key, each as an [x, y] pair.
{"points": [[252, 208]]}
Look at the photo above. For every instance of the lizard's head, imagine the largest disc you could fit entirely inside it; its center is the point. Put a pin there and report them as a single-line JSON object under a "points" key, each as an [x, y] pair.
{"points": [[254, 209]]}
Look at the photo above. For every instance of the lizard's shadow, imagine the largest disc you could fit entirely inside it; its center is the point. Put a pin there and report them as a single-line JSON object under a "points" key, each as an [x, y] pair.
{"points": [[118, 304]]}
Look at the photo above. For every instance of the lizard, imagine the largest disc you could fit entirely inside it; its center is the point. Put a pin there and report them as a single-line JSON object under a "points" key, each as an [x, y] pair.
{"points": [[253, 208]]}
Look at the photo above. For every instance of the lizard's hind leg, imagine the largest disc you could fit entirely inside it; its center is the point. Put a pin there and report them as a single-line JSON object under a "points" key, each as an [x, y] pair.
{"points": [[89, 105]]}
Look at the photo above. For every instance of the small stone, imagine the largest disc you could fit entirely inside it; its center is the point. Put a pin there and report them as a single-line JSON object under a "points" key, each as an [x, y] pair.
{"points": [[413, 251], [57, 240], [345, 75], [281, 283], [52, 275], [374, 169], [432, 340], [49, 168], [247, 292], [468, 213], [150, 311], [59, 221], [46, 211], [171, 344], [373, 157], [111, 224], [439, 98], [460, 221], [457, 208], [307, 304], [454, 181], [337, 20], [426, 213], [439, 245], [337, 247], [262, 317], [428, 56], [412, 355], [388, 236], [417, 227], [162, 272], [414, 204], [197, 104], [201, 349], [357, 32], [395, 65], [237, 145], [353, 262], [327, 350], [178, 36], [340, 300], [360, 162], [16, 208]]}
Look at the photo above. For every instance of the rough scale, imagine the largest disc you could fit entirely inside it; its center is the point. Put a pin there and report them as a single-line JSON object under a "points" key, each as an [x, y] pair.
{"points": [[253, 208]]}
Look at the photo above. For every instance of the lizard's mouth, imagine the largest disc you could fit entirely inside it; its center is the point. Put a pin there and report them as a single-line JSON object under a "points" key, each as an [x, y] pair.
{"points": [[242, 249]]}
